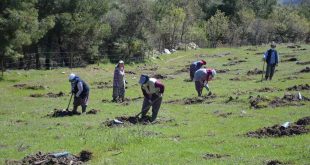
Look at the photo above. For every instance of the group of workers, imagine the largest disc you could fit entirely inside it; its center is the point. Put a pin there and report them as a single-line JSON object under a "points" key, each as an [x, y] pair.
{"points": [[152, 88]]}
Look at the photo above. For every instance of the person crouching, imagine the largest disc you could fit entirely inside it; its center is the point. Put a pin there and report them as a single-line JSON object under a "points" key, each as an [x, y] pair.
{"points": [[201, 78], [152, 90]]}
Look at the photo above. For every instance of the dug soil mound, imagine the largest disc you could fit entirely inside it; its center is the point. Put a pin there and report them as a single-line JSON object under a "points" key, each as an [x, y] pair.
{"points": [[268, 89], [240, 79], [287, 100], [274, 162], [303, 63], [214, 156], [195, 100], [124, 121], [222, 70], [126, 101], [306, 70], [64, 113], [101, 85], [54, 158], [231, 63], [50, 94], [129, 72], [279, 130], [254, 72], [299, 87], [33, 87]]}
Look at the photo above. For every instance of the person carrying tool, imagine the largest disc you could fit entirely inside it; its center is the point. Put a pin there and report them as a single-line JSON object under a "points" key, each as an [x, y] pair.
{"points": [[152, 90], [201, 78], [194, 67], [271, 58], [80, 90], [119, 82]]}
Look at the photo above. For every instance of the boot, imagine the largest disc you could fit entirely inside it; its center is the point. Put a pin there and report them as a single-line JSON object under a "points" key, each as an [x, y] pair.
{"points": [[74, 111], [84, 108]]}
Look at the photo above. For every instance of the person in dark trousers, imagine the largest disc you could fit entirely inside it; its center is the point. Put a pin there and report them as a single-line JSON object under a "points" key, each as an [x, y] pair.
{"points": [[119, 82], [201, 78], [271, 57], [80, 90], [194, 67], [152, 90]]}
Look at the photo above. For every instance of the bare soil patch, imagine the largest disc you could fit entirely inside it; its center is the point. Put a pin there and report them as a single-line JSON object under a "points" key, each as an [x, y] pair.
{"points": [[231, 63], [255, 72], [268, 89], [214, 156], [274, 162], [221, 54], [289, 59], [297, 128], [287, 100], [126, 101], [303, 63], [125, 121], [50, 95], [299, 87], [293, 46], [186, 69], [242, 78], [64, 113], [195, 100], [305, 70], [130, 72], [222, 70], [53, 158], [32, 87], [101, 85]]}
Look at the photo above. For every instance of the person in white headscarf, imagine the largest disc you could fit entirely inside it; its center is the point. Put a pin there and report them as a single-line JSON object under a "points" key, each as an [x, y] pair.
{"points": [[119, 82]]}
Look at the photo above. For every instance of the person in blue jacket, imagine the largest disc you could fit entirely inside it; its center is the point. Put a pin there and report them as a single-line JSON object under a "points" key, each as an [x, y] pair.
{"points": [[271, 57], [194, 67], [80, 90]]}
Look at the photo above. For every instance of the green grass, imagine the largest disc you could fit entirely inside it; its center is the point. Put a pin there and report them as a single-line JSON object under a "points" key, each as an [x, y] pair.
{"points": [[196, 130]]}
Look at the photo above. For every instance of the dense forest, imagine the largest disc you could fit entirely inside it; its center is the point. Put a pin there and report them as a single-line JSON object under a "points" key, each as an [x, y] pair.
{"points": [[44, 33]]}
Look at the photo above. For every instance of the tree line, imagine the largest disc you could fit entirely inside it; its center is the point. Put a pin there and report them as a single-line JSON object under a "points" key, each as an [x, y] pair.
{"points": [[49, 30]]}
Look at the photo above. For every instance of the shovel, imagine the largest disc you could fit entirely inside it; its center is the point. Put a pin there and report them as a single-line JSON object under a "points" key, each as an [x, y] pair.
{"points": [[69, 102], [151, 103]]}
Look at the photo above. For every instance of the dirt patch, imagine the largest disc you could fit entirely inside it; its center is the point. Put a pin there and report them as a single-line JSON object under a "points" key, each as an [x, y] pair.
{"points": [[254, 72], [268, 89], [186, 69], [290, 60], [293, 46], [287, 100], [129, 72], [274, 162], [50, 94], [258, 102], [214, 156], [231, 99], [188, 80], [305, 70], [124, 121], [195, 100], [299, 87], [160, 76], [126, 101], [240, 79], [53, 158], [231, 63], [221, 54], [222, 70], [222, 114], [101, 85], [279, 130], [64, 113], [303, 63], [32, 87]]}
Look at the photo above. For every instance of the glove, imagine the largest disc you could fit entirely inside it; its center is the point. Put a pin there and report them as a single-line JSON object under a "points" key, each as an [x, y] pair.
{"points": [[207, 87]]}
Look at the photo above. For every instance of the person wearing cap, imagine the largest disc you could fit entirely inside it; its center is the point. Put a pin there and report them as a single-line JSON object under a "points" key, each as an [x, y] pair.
{"points": [[80, 90], [119, 82], [271, 58], [194, 67], [152, 90], [202, 77]]}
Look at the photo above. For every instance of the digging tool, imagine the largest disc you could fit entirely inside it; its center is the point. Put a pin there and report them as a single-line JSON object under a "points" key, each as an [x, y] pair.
{"points": [[69, 102], [151, 103], [263, 71]]}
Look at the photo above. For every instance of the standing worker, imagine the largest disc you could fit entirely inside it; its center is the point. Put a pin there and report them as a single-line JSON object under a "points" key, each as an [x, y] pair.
{"points": [[194, 67], [80, 90], [152, 90], [119, 82], [271, 58], [202, 77]]}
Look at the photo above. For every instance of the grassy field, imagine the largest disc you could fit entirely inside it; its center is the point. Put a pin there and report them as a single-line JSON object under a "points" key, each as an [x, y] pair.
{"points": [[196, 129]]}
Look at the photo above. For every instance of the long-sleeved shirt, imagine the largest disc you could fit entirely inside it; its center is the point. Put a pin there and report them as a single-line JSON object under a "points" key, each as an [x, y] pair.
{"points": [[79, 88], [271, 56], [197, 64], [203, 75], [152, 87]]}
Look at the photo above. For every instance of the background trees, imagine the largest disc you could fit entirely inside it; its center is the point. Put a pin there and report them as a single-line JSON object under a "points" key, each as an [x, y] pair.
{"points": [[46, 32]]}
